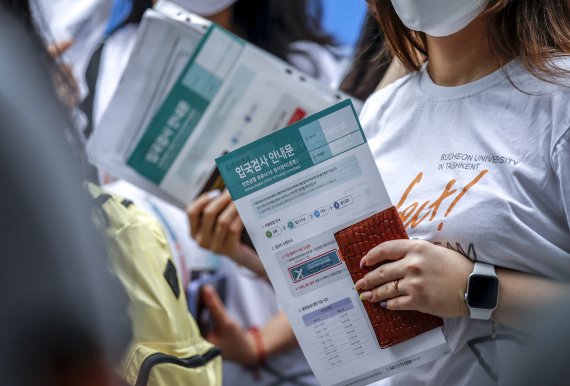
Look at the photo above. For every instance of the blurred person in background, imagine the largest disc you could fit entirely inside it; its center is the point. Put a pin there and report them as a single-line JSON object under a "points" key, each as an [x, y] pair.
{"points": [[64, 320], [544, 361], [289, 30], [253, 329]]}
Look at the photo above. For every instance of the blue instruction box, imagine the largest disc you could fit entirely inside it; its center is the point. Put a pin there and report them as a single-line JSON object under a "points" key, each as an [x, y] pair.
{"points": [[314, 266]]}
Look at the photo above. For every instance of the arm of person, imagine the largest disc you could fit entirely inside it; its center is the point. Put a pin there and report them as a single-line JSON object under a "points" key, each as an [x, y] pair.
{"points": [[215, 225], [520, 292], [248, 258], [241, 345], [277, 335], [433, 279]]}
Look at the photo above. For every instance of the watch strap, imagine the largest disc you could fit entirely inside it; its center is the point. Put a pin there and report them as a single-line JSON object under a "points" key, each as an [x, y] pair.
{"points": [[480, 313], [484, 269]]}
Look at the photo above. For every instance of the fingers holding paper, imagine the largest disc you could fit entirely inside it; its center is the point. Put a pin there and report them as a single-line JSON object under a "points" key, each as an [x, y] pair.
{"points": [[215, 223], [228, 228], [194, 212], [416, 275]]}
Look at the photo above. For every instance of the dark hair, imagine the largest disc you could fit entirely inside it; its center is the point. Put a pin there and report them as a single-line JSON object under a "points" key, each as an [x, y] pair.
{"points": [[275, 24], [534, 31], [370, 62]]}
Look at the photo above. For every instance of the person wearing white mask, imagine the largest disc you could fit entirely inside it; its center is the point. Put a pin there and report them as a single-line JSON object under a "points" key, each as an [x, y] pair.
{"points": [[288, 29], [474, 147]]}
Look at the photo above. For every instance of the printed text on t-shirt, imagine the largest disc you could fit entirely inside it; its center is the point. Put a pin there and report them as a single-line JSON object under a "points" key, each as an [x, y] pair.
{"points": [[465, 161], [413, 214]]}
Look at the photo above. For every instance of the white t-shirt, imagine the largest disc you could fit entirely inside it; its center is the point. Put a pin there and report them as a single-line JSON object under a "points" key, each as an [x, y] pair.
{"points": [[483, 169]]}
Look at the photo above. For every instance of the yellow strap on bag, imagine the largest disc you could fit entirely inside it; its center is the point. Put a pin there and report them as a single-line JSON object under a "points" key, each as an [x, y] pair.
{"points": [[167, 348]]}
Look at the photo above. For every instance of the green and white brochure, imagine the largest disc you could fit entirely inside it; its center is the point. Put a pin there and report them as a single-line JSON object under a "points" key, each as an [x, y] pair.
{"points": [[294, 189], [192, 92]]}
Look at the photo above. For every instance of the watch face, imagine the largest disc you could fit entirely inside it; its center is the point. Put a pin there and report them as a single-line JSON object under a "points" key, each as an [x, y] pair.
{"points": [[482, 292]]}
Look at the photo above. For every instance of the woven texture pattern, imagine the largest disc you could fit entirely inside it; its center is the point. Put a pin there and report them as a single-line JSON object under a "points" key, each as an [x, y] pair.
{"points": [[354, 242]]}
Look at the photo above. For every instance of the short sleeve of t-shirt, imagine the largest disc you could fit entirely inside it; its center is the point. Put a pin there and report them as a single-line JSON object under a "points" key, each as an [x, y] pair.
{"points": [[561, 163]]}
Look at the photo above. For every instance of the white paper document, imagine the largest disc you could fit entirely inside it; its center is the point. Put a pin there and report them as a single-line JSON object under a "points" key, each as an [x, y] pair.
{"points": [[294, 189], [192, 92]]}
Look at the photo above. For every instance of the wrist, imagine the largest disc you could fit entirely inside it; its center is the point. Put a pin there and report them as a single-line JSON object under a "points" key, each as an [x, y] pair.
{"points": [[258, 344], [247, 257], [242, 255]]}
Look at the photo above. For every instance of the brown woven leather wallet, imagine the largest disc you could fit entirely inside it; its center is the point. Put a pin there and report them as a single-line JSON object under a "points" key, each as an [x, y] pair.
{"points": [[390, 327]]}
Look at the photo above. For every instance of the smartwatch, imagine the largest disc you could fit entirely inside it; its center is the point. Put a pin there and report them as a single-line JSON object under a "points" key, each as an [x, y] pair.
{"points": [[482, 293]]}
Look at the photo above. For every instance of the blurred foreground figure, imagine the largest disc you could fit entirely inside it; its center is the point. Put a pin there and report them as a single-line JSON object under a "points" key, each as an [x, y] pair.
{"points": [[63, 320], [544, 360]]}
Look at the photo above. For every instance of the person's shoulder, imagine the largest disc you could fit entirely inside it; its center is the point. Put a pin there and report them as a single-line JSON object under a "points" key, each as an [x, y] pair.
{"points": [[552, 94], [543, 84]]}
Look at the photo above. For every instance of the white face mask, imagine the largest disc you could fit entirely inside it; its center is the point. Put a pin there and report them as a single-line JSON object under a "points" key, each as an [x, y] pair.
{"points": [[438, 17], [204, 7]]}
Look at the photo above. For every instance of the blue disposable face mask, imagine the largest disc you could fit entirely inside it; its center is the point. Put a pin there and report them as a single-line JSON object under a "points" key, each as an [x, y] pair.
{"points": [[438, 17]]}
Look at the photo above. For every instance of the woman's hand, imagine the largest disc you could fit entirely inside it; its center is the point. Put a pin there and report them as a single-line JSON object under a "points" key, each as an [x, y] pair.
{"points": [[215, 224], [416, 275]]}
